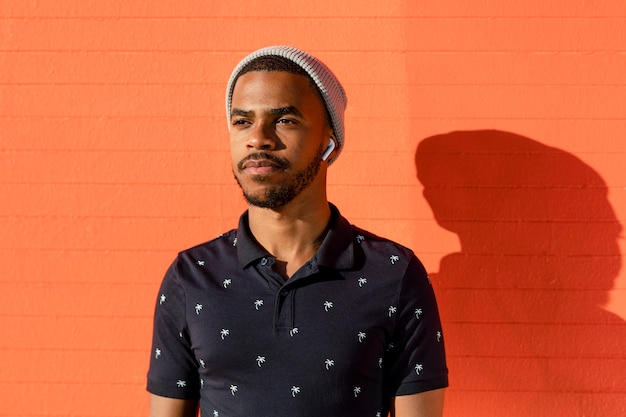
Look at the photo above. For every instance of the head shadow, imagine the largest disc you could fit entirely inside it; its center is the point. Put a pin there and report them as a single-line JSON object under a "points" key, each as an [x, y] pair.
{"points": [[539, 255]]}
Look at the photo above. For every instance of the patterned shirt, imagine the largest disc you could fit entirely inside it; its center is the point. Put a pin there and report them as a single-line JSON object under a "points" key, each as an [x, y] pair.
{"points": [[353, 327]]}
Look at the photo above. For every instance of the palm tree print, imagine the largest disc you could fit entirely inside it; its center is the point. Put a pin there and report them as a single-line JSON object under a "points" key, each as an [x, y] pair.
{"points": [[162, 299], [200, 263], [360, 238], [293, 331], [295, 390], [438, 336], [258, 303], [233, 389], [198, 308], [392, 310], [181, 384], [418, 313], [419, 368], [260, 360], [235, 242], [227, 282], [361, 336], [224, 333], [357, 391], [157, 353], [329, 363], [380, 363], [328, 305], [362, 281], [216, 414], [201, 362], [394, 259]]}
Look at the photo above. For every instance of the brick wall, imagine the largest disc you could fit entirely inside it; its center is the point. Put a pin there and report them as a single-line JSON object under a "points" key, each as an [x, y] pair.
{"points": [[113, 157]]}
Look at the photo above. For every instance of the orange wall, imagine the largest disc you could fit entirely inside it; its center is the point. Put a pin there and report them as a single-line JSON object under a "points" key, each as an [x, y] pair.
{"points": [[113, 156]]}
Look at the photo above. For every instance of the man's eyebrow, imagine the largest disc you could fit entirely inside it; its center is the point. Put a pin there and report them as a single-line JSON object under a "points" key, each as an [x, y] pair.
{"points": [[279, 111], [282, 111], [239, 112]]}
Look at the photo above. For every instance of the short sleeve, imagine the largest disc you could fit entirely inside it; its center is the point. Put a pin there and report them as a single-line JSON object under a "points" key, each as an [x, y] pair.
{"points": [[173, 368], [416, 359]]}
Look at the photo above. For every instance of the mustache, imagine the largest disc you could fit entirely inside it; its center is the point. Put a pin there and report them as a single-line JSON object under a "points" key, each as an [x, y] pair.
{"points": [[280, 162]]}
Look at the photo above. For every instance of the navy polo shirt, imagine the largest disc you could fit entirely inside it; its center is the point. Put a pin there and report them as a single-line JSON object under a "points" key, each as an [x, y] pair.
{"points": [[355, 326]]}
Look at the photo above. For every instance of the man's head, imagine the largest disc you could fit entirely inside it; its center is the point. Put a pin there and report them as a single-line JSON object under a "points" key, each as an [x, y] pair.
{"points": [[282, 127], [294, 61]]}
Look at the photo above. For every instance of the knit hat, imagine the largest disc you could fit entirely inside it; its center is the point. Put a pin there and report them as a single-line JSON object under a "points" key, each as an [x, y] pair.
{"points": [[328, 85]]}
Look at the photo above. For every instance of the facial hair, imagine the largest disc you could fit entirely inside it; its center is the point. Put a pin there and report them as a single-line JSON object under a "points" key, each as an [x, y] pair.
{"points": [[277, 196]]}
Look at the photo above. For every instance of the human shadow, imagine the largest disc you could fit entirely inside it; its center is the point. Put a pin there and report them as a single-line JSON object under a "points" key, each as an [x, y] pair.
{"points": [[521, 303]]}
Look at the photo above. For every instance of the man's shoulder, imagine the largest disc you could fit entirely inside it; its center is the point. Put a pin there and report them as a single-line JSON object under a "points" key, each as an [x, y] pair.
{"points": [[362, 236], [215, 246]]}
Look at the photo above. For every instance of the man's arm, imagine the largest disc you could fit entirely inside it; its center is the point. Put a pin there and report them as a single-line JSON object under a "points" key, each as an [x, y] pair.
{"points": [[172, 407], [423, 404]]}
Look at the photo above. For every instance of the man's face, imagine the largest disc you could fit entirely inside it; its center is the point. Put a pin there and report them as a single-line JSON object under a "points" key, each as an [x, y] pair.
{"points": [[278, 132]]}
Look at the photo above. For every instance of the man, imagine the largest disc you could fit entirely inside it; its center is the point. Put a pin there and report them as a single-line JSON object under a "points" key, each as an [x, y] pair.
{"points": [[296, 312]]}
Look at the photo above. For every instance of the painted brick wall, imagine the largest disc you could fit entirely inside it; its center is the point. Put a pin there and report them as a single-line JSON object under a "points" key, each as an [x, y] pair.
{"points": [[488, 136]]}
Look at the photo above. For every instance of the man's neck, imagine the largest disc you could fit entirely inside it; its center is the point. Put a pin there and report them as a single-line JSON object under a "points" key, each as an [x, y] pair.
{"points": [[292, 234]]}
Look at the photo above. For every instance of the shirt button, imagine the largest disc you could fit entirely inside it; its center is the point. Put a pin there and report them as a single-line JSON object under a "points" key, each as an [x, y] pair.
{"points": [[284, 293], [263, 261]]}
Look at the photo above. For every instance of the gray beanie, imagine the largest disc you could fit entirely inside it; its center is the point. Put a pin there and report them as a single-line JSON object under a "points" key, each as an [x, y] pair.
{"points": [[328, 85]]}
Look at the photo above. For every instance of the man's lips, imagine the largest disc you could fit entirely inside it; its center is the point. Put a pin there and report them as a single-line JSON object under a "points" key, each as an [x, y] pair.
{"points": [[262, 166]]}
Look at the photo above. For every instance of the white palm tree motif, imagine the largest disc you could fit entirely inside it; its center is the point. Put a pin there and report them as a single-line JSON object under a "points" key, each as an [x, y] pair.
{"points": [[329, 363], [260, 360], [360, 238], [181, 384], [216, 414], [157, 353], [392, 310], [198, 308], [201, 383], [380, 362], [390, 346], [258, 303], [224, 333], [418, 313], [438, 336], [180, 334], [362, 282], [295, 390], [201, 362], [162, 299], [419, 368], [357, 391], [378, 414], [394, 259], [293, 331], [233, 389], [235, 242], [328, 305], [361, 336], [200, 263], [227, 282]]}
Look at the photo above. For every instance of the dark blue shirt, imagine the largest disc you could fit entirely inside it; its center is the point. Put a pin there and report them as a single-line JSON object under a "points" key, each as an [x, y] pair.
{"points": [[355, 326]]}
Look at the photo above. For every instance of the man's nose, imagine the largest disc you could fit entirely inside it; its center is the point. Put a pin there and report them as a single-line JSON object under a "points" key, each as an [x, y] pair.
{"points": [[261, 136]]}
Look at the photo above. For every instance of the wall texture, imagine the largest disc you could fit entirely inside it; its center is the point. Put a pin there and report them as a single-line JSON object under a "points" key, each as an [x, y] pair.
{"points": [[489, 138]]}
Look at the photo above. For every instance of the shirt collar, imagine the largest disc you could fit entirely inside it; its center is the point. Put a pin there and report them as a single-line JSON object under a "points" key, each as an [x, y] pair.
{"points": [[337, 250]]}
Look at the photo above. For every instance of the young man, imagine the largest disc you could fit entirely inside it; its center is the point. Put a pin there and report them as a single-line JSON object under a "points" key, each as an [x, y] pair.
{"points": [[296, 312]]}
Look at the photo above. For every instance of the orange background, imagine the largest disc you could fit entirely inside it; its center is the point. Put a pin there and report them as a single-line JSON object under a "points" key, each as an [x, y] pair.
{"points": [[114, 156]]}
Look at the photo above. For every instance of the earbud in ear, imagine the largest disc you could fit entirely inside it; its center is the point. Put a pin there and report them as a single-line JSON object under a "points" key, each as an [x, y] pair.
{"points": [[329, 149]]}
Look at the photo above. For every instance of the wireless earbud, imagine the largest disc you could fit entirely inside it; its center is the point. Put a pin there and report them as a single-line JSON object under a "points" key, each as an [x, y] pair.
{"points": [[329, 149]]}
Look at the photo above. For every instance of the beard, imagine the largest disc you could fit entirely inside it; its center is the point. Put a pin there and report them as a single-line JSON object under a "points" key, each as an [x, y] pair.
{"points": [[277, 196]]}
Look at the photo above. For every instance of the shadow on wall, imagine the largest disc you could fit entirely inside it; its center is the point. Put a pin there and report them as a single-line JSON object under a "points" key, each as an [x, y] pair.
{"points": [[521, 302]]}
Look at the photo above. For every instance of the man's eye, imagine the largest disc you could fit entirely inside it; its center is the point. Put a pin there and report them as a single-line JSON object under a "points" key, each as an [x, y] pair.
{"points": [[239, 122], [285, 121]]}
